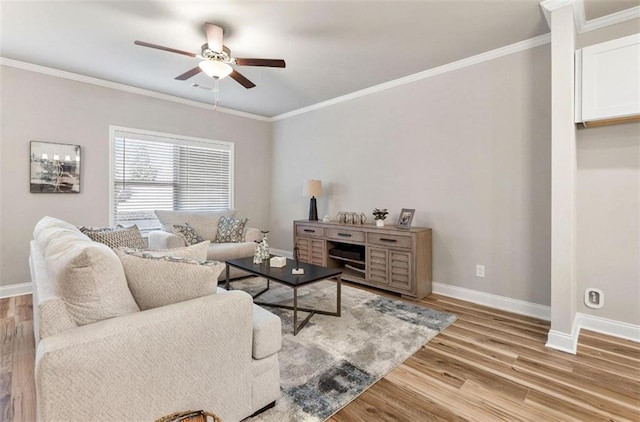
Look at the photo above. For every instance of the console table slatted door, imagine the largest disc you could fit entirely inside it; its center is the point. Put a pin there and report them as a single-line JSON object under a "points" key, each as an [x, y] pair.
{"points": [[311, 244], [389, 258]]}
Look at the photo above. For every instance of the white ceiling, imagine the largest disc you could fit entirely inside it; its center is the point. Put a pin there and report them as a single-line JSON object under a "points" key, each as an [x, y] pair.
{"points": [[332, 48]]}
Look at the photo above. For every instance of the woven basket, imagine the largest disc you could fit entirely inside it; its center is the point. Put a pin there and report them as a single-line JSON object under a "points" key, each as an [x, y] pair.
{"points": [[190, 416]]}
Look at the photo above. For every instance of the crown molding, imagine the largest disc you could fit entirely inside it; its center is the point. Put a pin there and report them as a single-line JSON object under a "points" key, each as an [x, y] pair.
{"points": [[582, 24], [122, 87], [460, 64]]}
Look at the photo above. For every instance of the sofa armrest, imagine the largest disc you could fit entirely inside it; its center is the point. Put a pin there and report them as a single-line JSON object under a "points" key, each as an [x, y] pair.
{"points": [[190, 355], [164, 240], [252, 234]]}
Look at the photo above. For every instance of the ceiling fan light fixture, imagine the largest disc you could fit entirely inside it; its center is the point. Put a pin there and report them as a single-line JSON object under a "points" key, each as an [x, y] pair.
{"points": [[214, 69]]}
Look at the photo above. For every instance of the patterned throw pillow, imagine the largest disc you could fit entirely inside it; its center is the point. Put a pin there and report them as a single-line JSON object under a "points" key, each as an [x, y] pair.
{"points": [[231, 230], [188, 233], [116, 237]]}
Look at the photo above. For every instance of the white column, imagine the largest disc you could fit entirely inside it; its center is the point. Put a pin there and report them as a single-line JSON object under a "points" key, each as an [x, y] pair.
{"points": [[562, 335]]}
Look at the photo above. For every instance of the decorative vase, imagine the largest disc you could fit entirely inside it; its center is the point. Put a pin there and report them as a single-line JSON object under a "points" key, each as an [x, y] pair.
{"points": [[265, 246], [379, 223], [257, 255]]}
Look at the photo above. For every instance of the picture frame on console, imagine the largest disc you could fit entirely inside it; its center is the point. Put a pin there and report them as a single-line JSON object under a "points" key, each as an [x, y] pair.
{"points": [[405, 218]]}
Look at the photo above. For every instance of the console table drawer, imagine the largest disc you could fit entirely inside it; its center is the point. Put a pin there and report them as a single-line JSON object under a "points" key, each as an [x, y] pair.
{"points": [[304, 230], [345, 235], [390, 240]]}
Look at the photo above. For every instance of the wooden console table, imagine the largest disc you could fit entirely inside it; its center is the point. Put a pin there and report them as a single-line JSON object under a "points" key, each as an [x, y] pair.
{"points": [[389, 258]]}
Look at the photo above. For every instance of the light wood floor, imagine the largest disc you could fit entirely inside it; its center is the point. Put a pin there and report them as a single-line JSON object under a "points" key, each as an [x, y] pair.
{"points": [[488, 365]]}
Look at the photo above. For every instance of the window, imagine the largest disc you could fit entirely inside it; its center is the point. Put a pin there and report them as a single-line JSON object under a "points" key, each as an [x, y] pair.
{"points": [[156, 171]]}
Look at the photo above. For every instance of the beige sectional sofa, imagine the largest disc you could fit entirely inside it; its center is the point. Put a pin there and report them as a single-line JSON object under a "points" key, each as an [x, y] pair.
{"points": [[98, 357], [205, 224]]}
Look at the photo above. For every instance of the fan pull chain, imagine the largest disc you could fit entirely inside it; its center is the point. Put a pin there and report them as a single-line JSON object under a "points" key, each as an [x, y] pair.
{"points": [[216, 94]]}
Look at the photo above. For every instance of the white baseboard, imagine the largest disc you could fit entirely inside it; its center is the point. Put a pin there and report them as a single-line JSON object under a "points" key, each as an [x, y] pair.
{"points": [[564, 342], [494, 301], [15, 290], [609, 327], [569, 342]]}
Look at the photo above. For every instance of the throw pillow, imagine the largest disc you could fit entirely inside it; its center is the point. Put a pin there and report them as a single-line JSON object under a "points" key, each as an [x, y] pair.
{"points": [[188, 233], [198, 251], [90, 280], [117, 237], [231, 230], [86, 275], [157, 281]]}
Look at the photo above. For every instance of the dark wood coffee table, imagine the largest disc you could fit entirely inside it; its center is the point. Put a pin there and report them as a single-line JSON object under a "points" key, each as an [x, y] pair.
{"points": [[312, 274]]}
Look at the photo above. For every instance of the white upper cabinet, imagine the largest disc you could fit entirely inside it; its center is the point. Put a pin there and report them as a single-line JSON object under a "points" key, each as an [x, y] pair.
{"points": [[608, 80]]}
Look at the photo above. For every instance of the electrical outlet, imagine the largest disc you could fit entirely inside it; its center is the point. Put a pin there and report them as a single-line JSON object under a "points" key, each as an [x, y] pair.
{"points": [[480, 270], [594, 298]]}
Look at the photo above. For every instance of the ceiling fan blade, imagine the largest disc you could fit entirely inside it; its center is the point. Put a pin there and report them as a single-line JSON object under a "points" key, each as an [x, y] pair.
{"points": [[241, 79], [189, 74], [260, 62], [159, 47], [214, 37]]}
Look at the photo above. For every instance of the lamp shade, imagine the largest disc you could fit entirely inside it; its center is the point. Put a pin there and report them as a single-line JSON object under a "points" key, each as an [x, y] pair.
{"points": [[215, 70], [312, 188]]}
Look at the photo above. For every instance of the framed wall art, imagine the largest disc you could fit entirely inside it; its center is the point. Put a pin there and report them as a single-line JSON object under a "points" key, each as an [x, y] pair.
{"points": [[406, 216], [55, 168]]}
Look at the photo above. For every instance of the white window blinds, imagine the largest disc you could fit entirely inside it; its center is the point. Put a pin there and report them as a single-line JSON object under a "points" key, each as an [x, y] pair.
{"points": [[153, 171]]}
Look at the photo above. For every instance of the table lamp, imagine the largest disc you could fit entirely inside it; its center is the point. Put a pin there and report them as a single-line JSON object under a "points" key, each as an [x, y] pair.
{"points": [[312, 188]]}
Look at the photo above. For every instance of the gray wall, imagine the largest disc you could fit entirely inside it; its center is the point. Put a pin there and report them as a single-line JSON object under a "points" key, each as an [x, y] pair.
{"points": [[608, 219], [608, 207], [49, 109], [469, 150]]}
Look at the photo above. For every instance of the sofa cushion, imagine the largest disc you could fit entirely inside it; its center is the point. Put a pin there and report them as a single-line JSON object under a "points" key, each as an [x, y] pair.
{"points": [[205, 223], [47, 227], [188, 233], [231, 230], [199, 251], [86, 275], [116, 237], [162, 280], [89, 278], [267, 333]]}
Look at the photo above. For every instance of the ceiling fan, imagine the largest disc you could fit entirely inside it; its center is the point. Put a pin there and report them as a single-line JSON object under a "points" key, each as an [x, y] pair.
{"points": [[216, 58]]}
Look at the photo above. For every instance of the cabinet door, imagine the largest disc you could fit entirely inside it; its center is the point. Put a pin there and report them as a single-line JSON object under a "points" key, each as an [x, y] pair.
{"points": [[400, 270], [378, 265], [311, 250], [304, 249], [610, 85]]}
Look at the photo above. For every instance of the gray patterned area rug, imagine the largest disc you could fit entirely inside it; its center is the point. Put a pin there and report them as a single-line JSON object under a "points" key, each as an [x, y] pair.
{"points": [[332, 360]]}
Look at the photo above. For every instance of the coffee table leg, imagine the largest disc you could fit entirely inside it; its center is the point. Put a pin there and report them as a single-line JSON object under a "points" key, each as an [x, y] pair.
{"points": [[226, 284], [312, 312], [295, 311], [339, 294]]}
